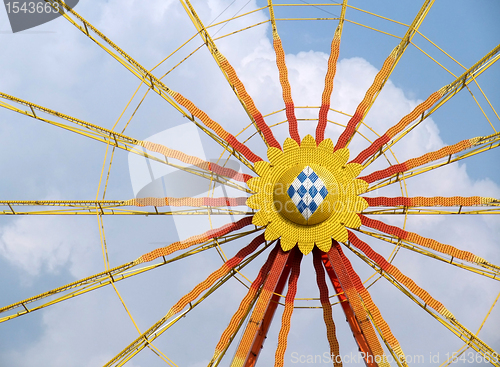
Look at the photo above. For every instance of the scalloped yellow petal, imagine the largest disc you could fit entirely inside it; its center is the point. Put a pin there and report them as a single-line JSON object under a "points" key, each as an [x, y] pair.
{"points": [[289, 145], [270, 235], [275, 155], [341, 156], [360, 186], [306, 247], [262, 167], [260, 219], [254, 202], [342, 235], [352, 220], [287, 244], [254, 183], [308, 142], [326, 145], [324, 245], [352, 170]]}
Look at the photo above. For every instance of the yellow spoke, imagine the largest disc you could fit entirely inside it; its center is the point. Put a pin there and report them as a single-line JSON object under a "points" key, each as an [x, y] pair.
{"points": [[401, 48], [452, 89], [103, 207], [451, 324], [219, 58], [106, 136], [482, 145], [486, 270], [139, 71], [105, 278], [164, 324]]}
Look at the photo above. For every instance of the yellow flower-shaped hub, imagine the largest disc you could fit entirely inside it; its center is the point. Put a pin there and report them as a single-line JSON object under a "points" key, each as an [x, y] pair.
{"points": [[307, 194]]}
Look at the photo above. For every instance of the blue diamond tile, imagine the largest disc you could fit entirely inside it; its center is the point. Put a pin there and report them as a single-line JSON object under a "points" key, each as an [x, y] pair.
{"points": [[301, 206], [313, 206], [307, 192], [323, 192], [302, 191], [313, 177], [313, 191], [302, 176]]}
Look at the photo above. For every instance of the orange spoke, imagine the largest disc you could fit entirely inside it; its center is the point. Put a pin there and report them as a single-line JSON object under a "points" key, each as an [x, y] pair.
{"points": [[285, 85], [229, 333], [372, 308], [194, 240], [287, 313], [423, 241], [420, 161], [211, 124], [375, 352], [256, 323], [400, 126], [429, 201], [204, 201], [327, 91], [355, 120], [195, 161], [216, 275], [245, 97], [327, 309], [400, 277]]}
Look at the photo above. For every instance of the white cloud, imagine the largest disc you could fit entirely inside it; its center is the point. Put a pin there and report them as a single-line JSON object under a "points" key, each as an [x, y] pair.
{"points": [[42, 245], [48, 244]]}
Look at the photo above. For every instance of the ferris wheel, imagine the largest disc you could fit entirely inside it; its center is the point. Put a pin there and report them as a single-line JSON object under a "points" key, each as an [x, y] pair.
{"points": [[290, 205]]}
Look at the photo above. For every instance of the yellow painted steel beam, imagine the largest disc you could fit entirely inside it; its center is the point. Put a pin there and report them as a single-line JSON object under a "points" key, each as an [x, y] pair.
{"points": [[103, 207], [486, 143], [164, 324], [401, 48], [103, 279], [137, 69], [486, 270], [103, 135], [451, 324], [452, 89], [216, 54]]}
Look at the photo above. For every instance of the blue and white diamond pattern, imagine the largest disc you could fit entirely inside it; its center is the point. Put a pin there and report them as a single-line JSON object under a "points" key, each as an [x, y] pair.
{"points": [[307, 192]]}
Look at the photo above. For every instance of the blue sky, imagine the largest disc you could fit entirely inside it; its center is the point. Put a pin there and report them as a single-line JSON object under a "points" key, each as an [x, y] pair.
{"points": [[55, 65]]}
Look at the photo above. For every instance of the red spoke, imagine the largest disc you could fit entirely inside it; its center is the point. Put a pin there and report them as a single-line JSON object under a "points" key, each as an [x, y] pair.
{"points": [[287, 313], [285, 85], [361, 326], [400, 277], [253, 337], [372, 308], [211, 124], [246, 302], [327, 309]]}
